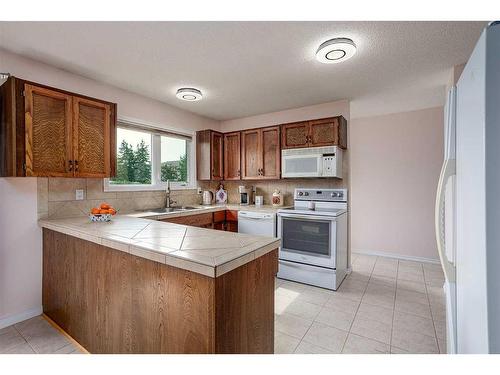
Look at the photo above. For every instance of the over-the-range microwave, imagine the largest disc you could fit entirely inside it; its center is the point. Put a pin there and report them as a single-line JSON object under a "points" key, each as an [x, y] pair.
{"points": [[311, 162]]}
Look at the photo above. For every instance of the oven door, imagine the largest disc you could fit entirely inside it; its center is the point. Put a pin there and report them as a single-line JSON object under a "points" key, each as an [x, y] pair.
{"points": [[302, 165], [308, 239]]}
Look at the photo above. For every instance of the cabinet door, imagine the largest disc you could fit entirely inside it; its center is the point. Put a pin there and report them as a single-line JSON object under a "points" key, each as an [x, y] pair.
{"points": [[232, 156], [203, 151], [91, 138], [271, 153], [48, 132], [324, 132], [295, 135], [251, 154], [217, 156]]}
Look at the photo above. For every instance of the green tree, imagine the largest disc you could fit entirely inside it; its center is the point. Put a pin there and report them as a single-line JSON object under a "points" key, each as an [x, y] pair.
{"points": [[142, 164], [169, 171], [183, 168], [125, 162]]}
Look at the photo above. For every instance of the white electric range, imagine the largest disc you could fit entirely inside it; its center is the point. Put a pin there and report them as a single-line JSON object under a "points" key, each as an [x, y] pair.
{"points": [[314, 238]]}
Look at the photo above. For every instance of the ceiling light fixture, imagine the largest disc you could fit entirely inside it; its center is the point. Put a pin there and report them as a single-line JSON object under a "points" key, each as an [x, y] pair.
{"points": [[189, 94], [335, 50]]}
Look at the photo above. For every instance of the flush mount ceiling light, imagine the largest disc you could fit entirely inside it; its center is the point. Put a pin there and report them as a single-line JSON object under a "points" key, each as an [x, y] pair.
{"points": [[189, 94], [335, 50]]}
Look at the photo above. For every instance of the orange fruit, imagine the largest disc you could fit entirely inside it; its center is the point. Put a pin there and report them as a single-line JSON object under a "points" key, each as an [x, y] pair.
{"points": [[95, 211], [105, 206], [104, 211], [112, 211]]}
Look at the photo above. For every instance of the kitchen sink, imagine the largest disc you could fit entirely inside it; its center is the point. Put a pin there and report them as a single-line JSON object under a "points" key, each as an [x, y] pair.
{"points": [[172, 209]]}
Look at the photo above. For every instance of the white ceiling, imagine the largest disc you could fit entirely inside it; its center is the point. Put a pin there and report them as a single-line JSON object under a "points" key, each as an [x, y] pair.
{"points": [[249, 68]]}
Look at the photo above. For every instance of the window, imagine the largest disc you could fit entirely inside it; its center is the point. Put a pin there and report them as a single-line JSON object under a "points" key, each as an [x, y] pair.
{"points": [[147, 158]]}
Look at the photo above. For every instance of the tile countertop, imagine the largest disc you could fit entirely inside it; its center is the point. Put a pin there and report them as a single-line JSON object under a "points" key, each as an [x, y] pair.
{"points": [[206, 251], [202, 209]]}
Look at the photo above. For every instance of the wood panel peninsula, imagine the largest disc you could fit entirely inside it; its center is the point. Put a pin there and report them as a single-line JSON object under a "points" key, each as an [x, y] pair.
{"points": [[134, 285]]}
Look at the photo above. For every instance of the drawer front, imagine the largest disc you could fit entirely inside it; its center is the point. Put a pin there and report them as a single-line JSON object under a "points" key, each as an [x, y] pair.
{"points": [[219, 216], [200, 220], [231, 215]]}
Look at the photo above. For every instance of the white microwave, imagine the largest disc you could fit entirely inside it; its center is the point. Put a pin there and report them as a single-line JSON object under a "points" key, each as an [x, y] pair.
{"points": [[311, 162]]}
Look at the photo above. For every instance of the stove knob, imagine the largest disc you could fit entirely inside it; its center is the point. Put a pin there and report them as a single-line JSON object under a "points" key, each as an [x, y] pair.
{"points": [[334, 195], [301, 193], [306, 193], [341, 195]]}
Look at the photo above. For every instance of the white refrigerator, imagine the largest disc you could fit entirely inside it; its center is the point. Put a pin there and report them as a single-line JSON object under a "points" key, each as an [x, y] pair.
{"points": [[468, 205]]}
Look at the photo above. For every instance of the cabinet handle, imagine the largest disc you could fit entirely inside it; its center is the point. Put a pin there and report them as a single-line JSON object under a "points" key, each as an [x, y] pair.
{"points": [[70, 165], [76, 165]]}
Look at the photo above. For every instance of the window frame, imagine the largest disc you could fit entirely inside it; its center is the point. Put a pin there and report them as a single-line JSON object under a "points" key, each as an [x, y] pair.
{"points": [[156, 183]]}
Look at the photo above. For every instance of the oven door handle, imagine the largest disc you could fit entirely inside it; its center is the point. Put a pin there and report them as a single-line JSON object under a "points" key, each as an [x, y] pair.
{"points": [[307, 217]]}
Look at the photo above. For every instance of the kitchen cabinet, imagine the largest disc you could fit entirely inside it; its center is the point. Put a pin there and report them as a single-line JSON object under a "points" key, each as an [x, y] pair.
{"points": [[204, 220], [295, 135], [220, 220], [209, 155], [231, 220], [232, 157], [315, 133], [91, 138], [260, 153], [50, 132]]}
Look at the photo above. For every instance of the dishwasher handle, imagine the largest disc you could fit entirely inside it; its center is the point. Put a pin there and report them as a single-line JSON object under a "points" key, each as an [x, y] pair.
{"points": [[254, 215]]}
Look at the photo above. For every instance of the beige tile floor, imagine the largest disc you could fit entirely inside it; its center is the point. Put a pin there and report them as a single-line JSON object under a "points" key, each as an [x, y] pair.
{"points": [[35, 335], [383, 306]]}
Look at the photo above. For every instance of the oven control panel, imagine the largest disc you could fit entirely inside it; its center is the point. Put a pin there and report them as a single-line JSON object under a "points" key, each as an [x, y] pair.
{"points": [[326, 195]]}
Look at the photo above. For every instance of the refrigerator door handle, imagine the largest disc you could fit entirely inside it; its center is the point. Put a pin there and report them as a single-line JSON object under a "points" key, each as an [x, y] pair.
{"points": [[448, 169]]}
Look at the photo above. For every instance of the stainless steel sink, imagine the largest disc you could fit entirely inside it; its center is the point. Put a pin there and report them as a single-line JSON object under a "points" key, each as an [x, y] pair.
{"points": [[172, 209]]}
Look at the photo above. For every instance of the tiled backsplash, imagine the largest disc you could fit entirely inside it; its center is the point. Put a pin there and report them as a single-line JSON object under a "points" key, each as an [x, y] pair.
{"points": [[56, 197], [266, 188]]}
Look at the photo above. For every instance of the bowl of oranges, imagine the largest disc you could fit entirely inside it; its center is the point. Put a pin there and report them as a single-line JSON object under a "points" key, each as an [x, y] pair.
{"points": [[102, 213]]}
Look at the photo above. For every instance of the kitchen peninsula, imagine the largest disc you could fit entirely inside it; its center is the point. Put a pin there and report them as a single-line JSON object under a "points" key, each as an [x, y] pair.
{"points": [[134, 285]]}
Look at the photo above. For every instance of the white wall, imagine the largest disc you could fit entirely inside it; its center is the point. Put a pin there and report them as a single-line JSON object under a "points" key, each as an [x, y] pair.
{"points": [[330, 109], [20, 256], [20, 251], [395, 164]]}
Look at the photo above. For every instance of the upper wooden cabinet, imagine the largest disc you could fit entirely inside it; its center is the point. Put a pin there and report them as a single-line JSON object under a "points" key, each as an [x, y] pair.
{"points": [[51, 132], [91, 138], [209, 155], [232, 159], [323, 132], [260, 153], [295, 135]]}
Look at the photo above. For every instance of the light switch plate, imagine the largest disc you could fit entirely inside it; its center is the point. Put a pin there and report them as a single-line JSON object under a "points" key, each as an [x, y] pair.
{"points": [[79, 195]]}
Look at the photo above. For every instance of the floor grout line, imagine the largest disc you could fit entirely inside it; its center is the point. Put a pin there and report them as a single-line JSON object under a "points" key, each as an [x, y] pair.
{"points": [[25, 339]]}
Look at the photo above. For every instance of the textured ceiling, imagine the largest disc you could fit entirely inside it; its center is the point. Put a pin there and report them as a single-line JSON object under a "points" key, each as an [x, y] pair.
{"points": [[249, 68]]}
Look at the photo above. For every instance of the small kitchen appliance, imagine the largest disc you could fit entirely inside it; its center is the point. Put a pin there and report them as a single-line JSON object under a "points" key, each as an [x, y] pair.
{"points": [[314, 238], [245, 195], [208, 196], [311, 162]]}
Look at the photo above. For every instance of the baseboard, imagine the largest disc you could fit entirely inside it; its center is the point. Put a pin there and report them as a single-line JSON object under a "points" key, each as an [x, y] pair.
{"points": [[16, 318], [396, 256]]}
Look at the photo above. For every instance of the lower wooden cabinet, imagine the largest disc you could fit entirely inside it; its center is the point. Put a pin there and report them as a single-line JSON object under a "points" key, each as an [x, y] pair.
{"points": [[232, 220], [199, 220], [222, 220]]}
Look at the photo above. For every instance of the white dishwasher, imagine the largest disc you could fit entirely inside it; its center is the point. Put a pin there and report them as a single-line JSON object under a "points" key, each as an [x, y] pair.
{"points": [[257, 223]]}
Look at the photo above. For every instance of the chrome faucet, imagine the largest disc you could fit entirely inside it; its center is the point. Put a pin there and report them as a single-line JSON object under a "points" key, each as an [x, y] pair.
{"points": [[168, 201]]}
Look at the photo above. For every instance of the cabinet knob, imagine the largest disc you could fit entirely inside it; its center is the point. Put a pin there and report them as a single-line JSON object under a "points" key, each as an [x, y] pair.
{"points": [[76, 165], [70, 165]]}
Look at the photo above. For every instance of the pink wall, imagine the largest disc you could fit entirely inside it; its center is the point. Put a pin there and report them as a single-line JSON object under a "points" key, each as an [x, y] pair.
{"points": [[395, 164], [20, 251], [330, 109], [20, 244], [130, 105]]}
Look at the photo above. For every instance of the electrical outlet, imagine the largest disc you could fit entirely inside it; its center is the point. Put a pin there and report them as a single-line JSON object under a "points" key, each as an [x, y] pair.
{"points": [[79, 194], [199, 190]]}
